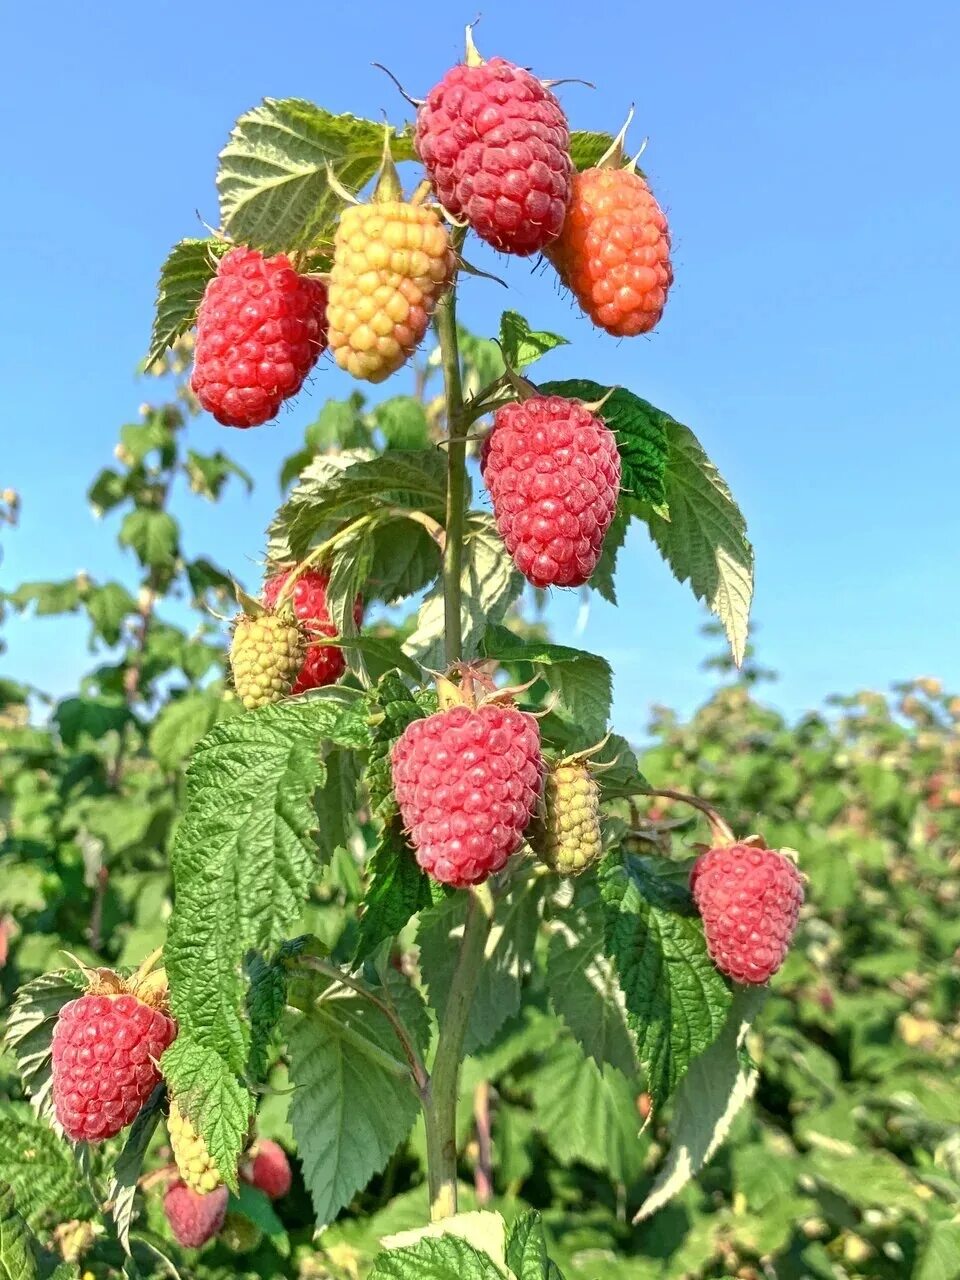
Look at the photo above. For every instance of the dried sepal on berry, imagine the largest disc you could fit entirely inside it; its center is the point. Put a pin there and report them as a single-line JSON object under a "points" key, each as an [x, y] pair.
{"points": [[496, 144], [393, 261], [467, 780], [614, 250]]}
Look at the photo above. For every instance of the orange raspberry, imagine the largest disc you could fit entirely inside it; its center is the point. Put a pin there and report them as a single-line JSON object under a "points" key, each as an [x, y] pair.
{"points": [[392, 263], [614, 251]]}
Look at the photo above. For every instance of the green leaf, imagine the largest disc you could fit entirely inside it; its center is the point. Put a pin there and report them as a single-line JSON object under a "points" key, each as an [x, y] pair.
{"points": [[704, 538], [523, 346], [274, 191], [30, 1025], [587, 149], [243, 860], [129, 1165], [208, 473], [527, 1248], [403, 421], [383, 652], [585, 993], [353, 1103], [716, 1086], [582, 681], [211, 1096], [642, 433], [90, 717], [48, 598], [489, 585], [17, 1257], [392, 708], [41, 1168], [336, 802], [189, 266], [676, 1000], [586, 1115], [266, 997], [436, 1258], [507, 958], [153, 535], [397, 888], [256, 1206], [940, 1259], [108, 606], [182, 723], [603, 579]]}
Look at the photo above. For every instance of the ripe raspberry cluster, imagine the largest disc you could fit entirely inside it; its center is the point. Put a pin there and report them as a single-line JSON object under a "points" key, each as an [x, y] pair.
{"points": [[105, 1051], [553, 472], [749, 899], [260, 330], [467, 782], [496, 144]]}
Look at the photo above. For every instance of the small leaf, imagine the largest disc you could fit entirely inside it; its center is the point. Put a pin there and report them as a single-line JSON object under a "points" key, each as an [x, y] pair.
{"points": [[397, 888], [181, 725], [587, 149], [523, 346], [676, 1000], [527, 1248], [256, 1206], [153, 535], [716, 1086], [403, 421], [108, 607], [189, 266], [274, 191]]}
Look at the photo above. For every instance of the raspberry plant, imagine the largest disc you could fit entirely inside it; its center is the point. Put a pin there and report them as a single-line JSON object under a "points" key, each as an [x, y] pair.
{"points": [[374, 880]]}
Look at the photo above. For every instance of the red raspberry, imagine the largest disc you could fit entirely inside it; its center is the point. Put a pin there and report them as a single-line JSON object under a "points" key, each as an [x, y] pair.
{"points": [[553, 472], [260, 330], [195, 1219], [323, 663], [614, 251], [749, 899], [269, 1169], [467, 782], [496, 145], [105, 1049]]}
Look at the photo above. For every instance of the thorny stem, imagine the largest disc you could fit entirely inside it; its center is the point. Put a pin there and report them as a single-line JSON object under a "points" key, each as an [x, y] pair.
{"points": [[417, 1068], [440, 1103], [719, 828]]}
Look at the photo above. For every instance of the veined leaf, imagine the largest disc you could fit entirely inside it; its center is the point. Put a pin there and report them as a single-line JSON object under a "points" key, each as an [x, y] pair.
{"points": [[397, 888], [189, 267], [523, 346], [586, 148], [436, 1258]]}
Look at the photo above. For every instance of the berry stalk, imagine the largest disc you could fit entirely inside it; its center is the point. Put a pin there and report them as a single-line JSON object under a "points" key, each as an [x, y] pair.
{"points": [[446, 324]]}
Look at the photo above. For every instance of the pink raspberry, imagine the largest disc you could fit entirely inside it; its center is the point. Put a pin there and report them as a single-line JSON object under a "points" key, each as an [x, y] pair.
{"points": [[323, 663], [104, 1053], [467, 782], [194, 1219], [553, 472], [260, 329], [269, 1169], [749, 899], [496, 145]]}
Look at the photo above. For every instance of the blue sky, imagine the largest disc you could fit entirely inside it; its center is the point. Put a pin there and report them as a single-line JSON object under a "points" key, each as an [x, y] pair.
{"points": [[804, 156]]}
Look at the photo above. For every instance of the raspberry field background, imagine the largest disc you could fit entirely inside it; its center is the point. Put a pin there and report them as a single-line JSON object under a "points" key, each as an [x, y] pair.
{"points": [[846, 1163]]}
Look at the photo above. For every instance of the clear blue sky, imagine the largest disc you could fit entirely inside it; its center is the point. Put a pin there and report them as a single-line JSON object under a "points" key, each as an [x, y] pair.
{"points": [[806, 155]]}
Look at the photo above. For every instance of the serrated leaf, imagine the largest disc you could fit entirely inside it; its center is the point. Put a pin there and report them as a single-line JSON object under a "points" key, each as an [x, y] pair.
{"points": [[523, 346], [211, 1096], [489, 584], [266, 997], [642, 433], [586, 1114], [507, 958], [17, 1257], [397, 888], [41, 1168], [676, 1000], [704, 541], [587, 149], [181, 725], [527, 1248], [716, 1086], [108, 606], [350, 1109], [153, 535], [188, 268], [29, 1032], [582, 681], [274, 191], [443, 1258], [129, 1165], [403, 421], [585, 993]]}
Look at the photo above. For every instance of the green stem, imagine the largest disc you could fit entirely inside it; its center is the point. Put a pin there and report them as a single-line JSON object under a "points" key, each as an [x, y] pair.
{"points": [[440, 1102], [446, 322]]}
